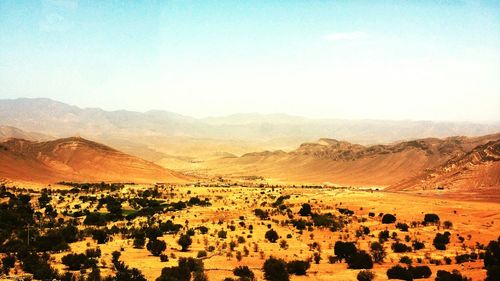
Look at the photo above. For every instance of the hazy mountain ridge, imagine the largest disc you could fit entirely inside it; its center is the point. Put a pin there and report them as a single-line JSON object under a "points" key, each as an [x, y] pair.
{"points": [[61, 120]]}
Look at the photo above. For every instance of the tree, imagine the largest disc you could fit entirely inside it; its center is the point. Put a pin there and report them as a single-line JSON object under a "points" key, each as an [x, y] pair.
{"points": [[378, 252], [298, 267], [275, 270], [365, 275], [455, 275], [388, 218], [431, 219], [492, 260], [272, 236], [419, 272], [344, 250], [244, 272], [74, 261], [399, 272], [156, 247], [360, 260], [8, 262], [185, 241], [441, 240], [305, 210]]}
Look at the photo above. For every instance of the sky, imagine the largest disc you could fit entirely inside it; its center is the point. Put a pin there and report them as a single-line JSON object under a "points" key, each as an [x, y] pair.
{"points": [[418, 60]]}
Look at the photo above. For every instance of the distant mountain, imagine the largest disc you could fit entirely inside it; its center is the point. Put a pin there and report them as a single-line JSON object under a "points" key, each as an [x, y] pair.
{"points": [[344, 163], [7, 132], [153, 134], [76, 159]]}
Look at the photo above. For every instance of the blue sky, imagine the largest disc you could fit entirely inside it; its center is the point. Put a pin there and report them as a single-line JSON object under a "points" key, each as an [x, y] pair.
{"points": [[431, 60]]}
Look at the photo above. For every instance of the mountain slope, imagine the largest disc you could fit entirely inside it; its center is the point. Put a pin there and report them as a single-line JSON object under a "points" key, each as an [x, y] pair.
{"points": [[475, 170], [76, 159], [7, 132], [344, 163]]}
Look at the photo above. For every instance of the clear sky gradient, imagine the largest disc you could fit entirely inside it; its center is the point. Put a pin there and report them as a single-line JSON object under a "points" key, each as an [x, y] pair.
{"points": [[422, 60]]}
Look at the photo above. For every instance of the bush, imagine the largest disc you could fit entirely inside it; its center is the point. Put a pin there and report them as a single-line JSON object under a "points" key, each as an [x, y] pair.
{"points": [[201, 254], [156, 247], [344, 250], [275, 270], [378, 252], [272, 236], [305, 210], [100, 236], [400, 247], [492, 260], [402, 226], [399, 272], [388, 218], [74, 261], [263, 215], [244, 272], [455, 275], [431, 219], [297, 267], [8, 262], [441, 240], [185, 241], [365, 275], [360, 260], [417, 245], [419, 272]]}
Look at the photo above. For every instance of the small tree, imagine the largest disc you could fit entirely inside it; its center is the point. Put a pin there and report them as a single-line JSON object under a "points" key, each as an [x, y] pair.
{"points": [[298, 267], [185, 241], [365, 275], [275, 270], [305, 210], [388, 218], [156, 247], [244, 272], [272, 236]]}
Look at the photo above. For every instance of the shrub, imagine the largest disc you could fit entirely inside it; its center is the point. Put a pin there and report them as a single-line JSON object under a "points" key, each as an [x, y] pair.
{"points": [[305, 210], [431, 219], [344, 250], [297, 267], [402, 226], [201, 254], [492, 260], [263, 215], [360, 260], [244, 272], [272, 236], [419, 272], [378, 252], [398, 247], [100, 236], [440, 240], [74, 261], [417, 245], [405, 259], [455, 275], [275, 270], [185, 241], [365, 275], [8, 262], [388, 218], [156, 247], [399, 272]]}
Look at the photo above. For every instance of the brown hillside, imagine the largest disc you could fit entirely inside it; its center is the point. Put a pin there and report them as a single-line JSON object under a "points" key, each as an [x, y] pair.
{"points": [[76, 159], [477, 170], [345, 163]]}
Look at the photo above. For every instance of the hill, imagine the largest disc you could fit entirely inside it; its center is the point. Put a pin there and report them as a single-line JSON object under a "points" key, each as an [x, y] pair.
{"points": [[476, 170], [76, 159], [344, 163]]}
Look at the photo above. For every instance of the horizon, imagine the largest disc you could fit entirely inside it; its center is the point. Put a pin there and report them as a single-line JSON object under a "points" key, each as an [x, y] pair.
{"points": [[259, 114], [367, 60]]}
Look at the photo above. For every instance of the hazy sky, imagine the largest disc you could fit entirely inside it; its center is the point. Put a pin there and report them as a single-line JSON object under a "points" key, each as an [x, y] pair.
{"points": [[433, 60]]}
